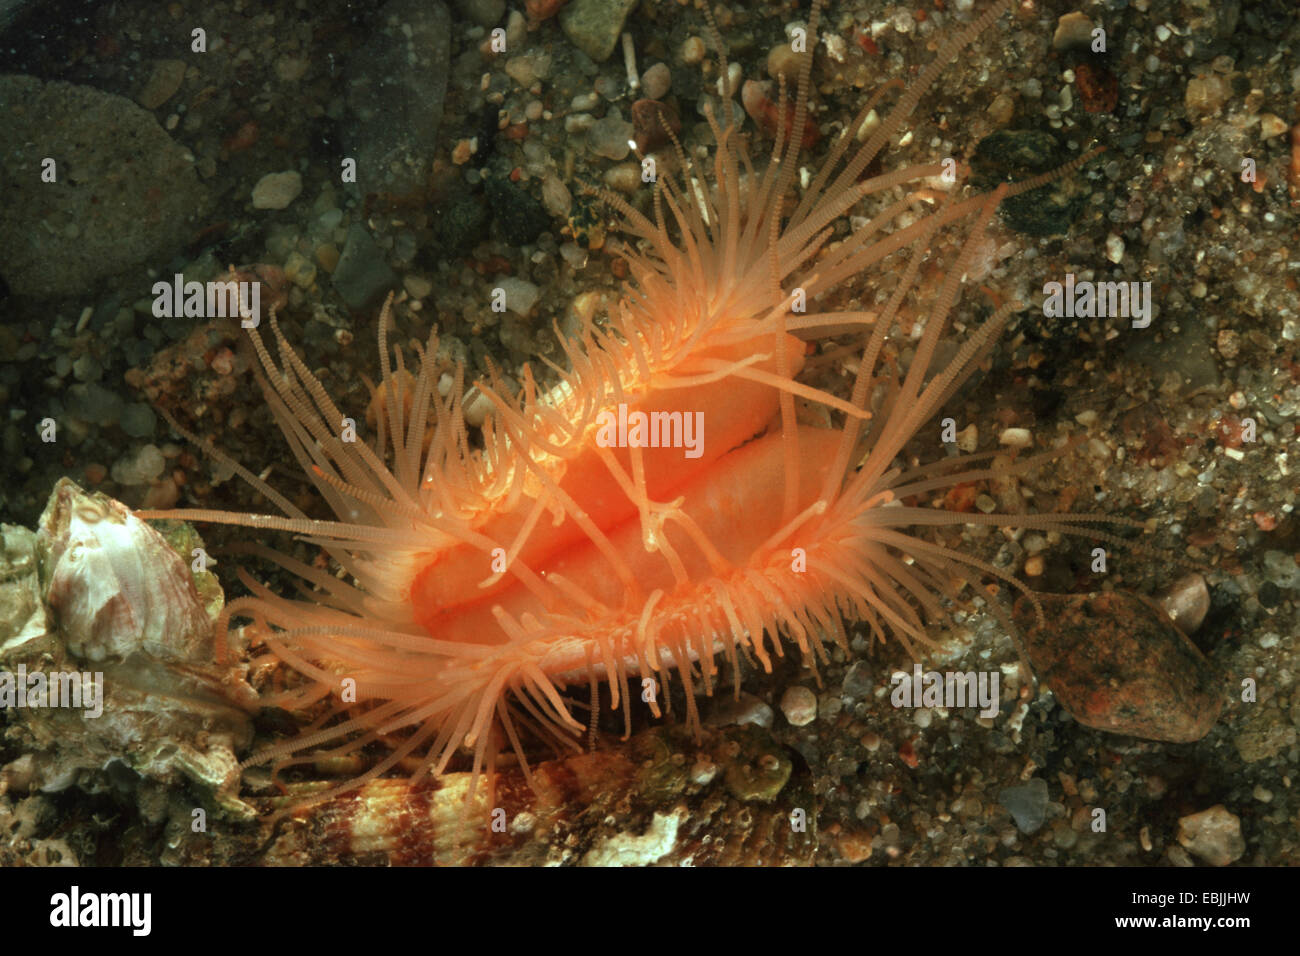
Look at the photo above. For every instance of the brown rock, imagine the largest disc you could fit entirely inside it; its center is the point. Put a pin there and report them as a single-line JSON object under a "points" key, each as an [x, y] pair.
{"points": [[654, 124], [1117, 663]]}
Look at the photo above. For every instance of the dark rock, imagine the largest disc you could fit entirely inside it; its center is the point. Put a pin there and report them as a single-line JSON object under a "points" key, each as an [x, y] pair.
{"points": [[125, 192], [459, 224], [396, 84], [519, 216], [655, 124], [1012, 155], [362, 275]]}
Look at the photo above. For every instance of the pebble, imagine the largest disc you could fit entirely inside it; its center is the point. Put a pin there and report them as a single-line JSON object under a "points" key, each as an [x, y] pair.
{"points": [[654, 124], [362, 274], [291, 69], [138, 420], [87, 368], [594, 26], [163, 83], [529, 68], [1002, 110], [556, 198], [1214, 835], [94, 403], [693, 51], [1187, 601], [749, 709], [857, 681], [732, 83], [1271, 125], [656, 81], [799, 704], [1115, 248], [1016, 438], [417, 287], [57, 239], [277, 190], [327, 256], [1206, 94], [139, 467], [578, 122], [1072, 30], [609, 137], [783, 61], [624, 178], [1027, 804], [1280, 568], [520, 294], [299, 270]]}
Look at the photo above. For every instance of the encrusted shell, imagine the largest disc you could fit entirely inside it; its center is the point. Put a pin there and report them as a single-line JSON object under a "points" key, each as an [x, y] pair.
{"points": [[114, 584], [661, 799], [116, 609]]}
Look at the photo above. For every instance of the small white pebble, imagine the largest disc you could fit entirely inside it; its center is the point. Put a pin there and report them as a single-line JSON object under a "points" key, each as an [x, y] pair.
{"points": [[799, 705], [1115, 248], [1016, 438]]}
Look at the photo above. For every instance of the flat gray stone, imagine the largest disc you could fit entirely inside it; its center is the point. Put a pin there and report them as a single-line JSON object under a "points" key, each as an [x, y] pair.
{"points": [[125, 193], [362, 275]]}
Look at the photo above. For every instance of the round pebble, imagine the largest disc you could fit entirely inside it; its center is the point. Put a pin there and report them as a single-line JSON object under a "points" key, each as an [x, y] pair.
{"points": [[799, 705], [277, 190], [693, 51], [417, 287], [140, 466], [138, 420], [657, 81], [623, 178]]}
